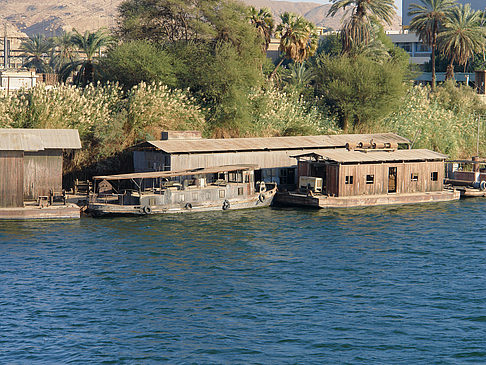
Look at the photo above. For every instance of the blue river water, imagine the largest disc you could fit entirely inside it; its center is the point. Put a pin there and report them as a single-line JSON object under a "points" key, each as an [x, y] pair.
{"points": [[391, 285]]}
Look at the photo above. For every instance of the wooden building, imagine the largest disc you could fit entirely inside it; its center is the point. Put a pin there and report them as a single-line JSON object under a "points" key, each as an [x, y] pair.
{"points": [[358, 177], [187, 150], [31, 162]]}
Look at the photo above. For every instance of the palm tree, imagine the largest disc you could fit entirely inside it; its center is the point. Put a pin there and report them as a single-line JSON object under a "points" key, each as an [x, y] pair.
{"points": [[358, 29], [36, 48], [298, 39], [428, 17], [262, 20], [461, 37], [64, 51], [89, 44]]}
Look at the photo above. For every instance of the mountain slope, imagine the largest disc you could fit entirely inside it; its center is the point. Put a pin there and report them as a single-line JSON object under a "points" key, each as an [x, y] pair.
{"points": [[54, 16]]}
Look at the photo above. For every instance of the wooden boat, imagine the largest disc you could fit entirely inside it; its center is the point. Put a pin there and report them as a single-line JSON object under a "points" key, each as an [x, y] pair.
{"points": [[364, 176], [216, 188], [467, 176]]}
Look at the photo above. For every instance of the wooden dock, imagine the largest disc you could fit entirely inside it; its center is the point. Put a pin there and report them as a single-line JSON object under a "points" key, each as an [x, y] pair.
{"points": [[69, 211]]}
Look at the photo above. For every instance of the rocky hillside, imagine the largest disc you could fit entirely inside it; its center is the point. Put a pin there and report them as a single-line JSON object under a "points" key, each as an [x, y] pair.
{"points": [[53, 16]]}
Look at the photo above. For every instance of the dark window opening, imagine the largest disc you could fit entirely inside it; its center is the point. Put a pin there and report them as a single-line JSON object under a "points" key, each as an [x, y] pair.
{"points": [[370, 179], [349, 180], [240, 191], [434, 176], [414, 176]]}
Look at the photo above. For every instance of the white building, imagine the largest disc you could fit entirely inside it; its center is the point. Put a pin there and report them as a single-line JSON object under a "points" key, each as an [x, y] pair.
{"points": [[15, 79]]}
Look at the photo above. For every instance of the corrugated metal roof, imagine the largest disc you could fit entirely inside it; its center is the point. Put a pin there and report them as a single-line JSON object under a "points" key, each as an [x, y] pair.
{"points": [[29, 139], [162, 174], [367, 156], [269, 143], [20, 142]]}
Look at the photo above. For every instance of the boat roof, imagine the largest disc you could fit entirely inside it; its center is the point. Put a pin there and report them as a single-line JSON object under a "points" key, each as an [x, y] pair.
{"points": [[268, 143], [166, 174], [370, 156]]}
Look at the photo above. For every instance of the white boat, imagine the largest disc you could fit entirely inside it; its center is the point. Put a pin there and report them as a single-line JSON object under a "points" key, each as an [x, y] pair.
{"points": [[215, 188]]}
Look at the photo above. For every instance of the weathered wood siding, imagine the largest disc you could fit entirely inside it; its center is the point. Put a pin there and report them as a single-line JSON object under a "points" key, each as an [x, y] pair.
{"points": [[332, 180], [405, 184], [42, 172], [11, 179]]}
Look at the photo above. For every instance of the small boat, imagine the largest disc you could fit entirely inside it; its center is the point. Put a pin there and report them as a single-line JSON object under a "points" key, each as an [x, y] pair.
{"points": [[467, 176], [207, 189]]}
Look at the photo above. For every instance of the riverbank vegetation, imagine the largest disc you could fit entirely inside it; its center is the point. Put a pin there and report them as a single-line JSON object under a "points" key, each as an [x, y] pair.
{"points": [[203, 65]]}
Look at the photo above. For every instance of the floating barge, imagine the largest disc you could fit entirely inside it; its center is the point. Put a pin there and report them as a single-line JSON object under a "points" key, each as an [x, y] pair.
{"points": [[368, 174], [69, 211], [217, 188]]}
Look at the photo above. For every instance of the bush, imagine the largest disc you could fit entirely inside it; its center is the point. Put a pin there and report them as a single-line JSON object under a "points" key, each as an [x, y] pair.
{"points": [[443, 121]]}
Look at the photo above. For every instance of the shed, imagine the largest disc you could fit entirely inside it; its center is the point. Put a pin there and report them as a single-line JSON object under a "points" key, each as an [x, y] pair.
{"points": [[374, 172], [31, 162], [272, 154]]}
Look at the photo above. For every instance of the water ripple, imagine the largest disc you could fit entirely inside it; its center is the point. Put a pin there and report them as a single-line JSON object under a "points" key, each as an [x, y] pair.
{"points": [[394, 285]]}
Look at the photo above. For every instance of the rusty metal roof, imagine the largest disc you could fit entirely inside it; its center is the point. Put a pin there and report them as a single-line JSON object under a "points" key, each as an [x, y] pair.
{"points": [[269, 143], [162, 174], [20, 139], [370, 156]]}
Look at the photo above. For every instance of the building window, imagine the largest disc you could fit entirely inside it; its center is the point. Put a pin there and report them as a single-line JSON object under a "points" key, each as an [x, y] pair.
{"points": [[240, 191], [434, 176], [222, 193], [370, 179], [348, 180], [413, 176]]}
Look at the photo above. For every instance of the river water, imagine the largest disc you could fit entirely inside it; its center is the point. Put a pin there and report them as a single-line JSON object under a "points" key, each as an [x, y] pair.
{"points": [[394, 285]]}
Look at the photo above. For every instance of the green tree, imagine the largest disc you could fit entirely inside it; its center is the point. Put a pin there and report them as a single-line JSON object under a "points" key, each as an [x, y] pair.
{"points": [[135, 61], [359, 90], [89, 44], [262, 20], [64, 51], [461, 37], [358, 28], [36, 49], [298, 39], [428, 17]]}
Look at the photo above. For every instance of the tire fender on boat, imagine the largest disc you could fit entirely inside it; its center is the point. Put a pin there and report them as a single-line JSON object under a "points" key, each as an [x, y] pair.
{"points": [[188, 206], [146, 209], [226, 205], [482, 185], [262, 198]]}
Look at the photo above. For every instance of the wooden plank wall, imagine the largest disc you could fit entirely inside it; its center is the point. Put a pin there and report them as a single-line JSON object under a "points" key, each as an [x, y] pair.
{"points": [[11, 179], [380, 172], [42, 171]]}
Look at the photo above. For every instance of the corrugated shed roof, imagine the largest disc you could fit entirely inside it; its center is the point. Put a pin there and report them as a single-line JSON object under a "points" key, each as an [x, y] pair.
{"points": [[20, 142], [161, 174], [370, 156], [269, 143], [38, 139]]}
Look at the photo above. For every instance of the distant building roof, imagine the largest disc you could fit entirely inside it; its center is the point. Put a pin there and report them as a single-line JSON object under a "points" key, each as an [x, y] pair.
{"points": [[269, 143], [19, 139], [370, 156]]}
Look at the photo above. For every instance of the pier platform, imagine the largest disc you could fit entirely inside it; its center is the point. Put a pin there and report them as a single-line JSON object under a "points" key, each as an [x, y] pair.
{"points": [[69, 211]]}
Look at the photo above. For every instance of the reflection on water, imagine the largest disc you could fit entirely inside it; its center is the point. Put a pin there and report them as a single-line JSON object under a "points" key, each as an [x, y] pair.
{"points": [[393, 284]]}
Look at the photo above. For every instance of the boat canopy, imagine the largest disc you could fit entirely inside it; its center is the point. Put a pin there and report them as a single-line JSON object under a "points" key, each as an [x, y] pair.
{"points": [[167, 174]]}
